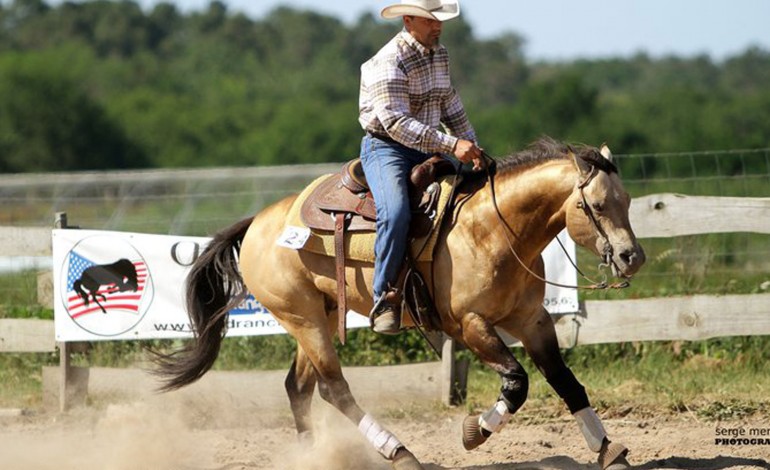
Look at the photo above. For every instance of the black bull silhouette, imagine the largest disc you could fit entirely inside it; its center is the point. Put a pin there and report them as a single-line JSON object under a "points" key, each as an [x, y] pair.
{"points": [[120, 275]]}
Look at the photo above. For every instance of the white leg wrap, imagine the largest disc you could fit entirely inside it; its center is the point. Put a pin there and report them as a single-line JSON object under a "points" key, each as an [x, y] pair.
{"points": [[494, 419], [386, 443], [591, 427]]}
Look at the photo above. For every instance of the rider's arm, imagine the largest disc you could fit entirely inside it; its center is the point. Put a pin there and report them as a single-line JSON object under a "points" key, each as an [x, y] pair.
{"points": [[389, 94]]}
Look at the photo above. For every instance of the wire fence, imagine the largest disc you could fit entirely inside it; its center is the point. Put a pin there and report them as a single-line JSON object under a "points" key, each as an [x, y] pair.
{"points": [[714, 263], [733, 173], [195, 202], [180, 202], [202, 201]]}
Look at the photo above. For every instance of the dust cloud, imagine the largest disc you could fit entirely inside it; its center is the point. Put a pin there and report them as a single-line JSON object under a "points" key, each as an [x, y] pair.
{"points": [[119, 437], [179, 431]]}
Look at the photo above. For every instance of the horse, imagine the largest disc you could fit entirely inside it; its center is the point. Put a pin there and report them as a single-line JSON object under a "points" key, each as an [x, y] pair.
{"points": [[120, 275], [487, 274]]}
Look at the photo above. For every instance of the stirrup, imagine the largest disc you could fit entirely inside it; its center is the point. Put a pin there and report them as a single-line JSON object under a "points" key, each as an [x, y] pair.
{"points": [[387, 322]]}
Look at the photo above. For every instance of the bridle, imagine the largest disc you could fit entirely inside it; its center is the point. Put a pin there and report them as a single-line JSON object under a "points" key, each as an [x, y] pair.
{"points": [[607, 252]]}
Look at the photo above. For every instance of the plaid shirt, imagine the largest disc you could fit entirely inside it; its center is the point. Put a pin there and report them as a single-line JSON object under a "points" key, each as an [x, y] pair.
{"points": [[406, 93]]}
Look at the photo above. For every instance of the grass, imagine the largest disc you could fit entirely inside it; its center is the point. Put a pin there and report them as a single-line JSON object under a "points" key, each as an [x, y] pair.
{"points": [[18, 297], [716, 264], [712, 380], [21, 379]]}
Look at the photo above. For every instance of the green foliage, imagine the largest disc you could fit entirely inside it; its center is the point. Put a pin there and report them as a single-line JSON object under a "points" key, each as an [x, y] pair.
{"points": [[21, 378], [18, 297], [102, 84], [48, 121]]}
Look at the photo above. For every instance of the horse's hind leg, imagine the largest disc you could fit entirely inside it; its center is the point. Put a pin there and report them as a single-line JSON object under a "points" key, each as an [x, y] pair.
{"points": [[540, 341], [300, 384], [316, 342], [482, 339]]}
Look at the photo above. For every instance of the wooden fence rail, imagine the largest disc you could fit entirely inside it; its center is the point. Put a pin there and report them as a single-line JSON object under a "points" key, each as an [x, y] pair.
{"points": [[673, 215], [26, 335], [25, 241], [688, 318]]}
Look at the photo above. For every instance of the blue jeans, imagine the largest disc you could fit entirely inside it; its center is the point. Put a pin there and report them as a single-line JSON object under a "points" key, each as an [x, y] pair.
{"points": [[387, 166]]}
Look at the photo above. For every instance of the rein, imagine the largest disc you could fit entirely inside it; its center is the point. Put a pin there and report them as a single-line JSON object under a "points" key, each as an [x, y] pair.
{"points": [[583, 204]]}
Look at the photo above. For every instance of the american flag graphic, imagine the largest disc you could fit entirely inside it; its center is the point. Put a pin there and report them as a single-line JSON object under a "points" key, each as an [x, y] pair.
{"points": [[116, 301]]}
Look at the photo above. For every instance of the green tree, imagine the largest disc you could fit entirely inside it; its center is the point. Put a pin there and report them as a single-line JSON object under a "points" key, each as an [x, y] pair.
{"points": [[104, 84], [47, 123]]}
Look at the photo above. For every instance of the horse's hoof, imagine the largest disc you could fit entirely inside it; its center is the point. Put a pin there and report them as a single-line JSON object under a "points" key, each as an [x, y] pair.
{"points": [[405, 460], [472, 436], [612, 456], [305, 438]]}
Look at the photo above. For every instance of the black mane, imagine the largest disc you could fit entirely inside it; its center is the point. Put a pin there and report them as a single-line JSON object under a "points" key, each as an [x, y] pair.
{"points": [[545, 149]]}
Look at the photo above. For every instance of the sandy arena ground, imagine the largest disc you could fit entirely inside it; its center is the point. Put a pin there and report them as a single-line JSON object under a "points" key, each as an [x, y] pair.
{"points": [[213, 432]]}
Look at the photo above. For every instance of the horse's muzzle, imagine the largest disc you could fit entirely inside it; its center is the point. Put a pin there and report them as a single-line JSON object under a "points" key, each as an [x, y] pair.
{"points": [[628, 261]]}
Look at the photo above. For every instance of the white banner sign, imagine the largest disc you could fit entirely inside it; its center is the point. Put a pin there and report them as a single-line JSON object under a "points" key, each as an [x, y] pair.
{"points": [[118, 286], [559, 269]]}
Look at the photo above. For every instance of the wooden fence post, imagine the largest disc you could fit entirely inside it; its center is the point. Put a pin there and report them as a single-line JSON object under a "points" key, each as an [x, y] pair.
{"points": [[454, 374], [73, 381]]}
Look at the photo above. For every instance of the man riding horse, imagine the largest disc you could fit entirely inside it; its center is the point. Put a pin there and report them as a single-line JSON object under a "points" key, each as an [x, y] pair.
{"points": [[406, 94], [487, 270]]}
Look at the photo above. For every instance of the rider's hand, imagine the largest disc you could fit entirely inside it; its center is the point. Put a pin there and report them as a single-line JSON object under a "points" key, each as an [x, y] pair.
{"points": [[467, 151]]}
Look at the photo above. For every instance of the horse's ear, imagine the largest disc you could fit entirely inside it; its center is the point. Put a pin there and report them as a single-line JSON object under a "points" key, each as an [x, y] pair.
{"points": [[605, 151], [582, 166]]}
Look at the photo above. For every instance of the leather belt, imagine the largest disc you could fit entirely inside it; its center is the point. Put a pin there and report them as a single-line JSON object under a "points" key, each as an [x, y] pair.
{"points": [[383, 137]]}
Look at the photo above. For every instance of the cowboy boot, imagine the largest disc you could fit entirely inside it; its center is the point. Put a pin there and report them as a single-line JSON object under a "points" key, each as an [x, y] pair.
{"points": [[386, 314]]}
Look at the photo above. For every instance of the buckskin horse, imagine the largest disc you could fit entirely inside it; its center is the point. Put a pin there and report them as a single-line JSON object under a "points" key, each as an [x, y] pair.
{"points": [[487, 273]]}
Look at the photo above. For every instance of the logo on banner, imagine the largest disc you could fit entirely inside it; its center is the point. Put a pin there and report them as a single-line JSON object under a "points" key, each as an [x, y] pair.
{"points": [[108, 287], [250, 306]]}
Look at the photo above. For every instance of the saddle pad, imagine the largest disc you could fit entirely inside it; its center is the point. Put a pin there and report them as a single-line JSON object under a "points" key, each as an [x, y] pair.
{"points": [[359, 246]]}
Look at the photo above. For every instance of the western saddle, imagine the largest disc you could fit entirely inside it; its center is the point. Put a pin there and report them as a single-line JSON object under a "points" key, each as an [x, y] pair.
{"points": [[344, 203]]}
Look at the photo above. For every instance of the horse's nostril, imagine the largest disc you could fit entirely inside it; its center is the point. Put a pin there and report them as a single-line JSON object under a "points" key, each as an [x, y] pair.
{"points": [[628, 257]]}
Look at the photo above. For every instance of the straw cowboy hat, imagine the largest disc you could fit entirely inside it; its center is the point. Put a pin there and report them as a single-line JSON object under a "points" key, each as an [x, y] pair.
{"points": [[441, 10]]}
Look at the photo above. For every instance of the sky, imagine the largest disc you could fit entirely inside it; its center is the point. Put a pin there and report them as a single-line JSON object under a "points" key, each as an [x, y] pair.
{"points": [[570, 29]]}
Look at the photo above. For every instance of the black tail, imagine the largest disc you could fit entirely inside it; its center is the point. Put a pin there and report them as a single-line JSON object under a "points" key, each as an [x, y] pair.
{"points": [[214, 287]]}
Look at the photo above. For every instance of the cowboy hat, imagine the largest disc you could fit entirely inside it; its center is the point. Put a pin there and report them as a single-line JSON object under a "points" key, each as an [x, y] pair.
{"points": [[441, 10]]}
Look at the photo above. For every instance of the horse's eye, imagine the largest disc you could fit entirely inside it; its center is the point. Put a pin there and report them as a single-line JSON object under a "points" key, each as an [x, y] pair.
{"points": [[597, 206]]}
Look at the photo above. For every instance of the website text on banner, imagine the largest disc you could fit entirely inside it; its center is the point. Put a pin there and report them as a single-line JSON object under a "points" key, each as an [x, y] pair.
{"points": [[119, 286]]}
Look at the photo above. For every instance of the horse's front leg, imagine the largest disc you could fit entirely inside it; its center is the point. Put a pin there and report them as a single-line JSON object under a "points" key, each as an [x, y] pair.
{"points": [[540, 341], [482, 339]]}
